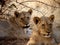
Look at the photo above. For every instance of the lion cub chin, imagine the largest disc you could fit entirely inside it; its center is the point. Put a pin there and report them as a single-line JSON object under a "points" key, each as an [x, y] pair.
{"points": [[44, 34]]}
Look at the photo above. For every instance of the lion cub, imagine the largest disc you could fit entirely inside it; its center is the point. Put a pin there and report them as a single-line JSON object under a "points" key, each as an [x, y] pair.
{"points": [[20, 19], [18, 22], [44, 34]]}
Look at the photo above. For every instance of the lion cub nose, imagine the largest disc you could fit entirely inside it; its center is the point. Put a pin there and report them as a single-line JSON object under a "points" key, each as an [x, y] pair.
{"points": [[48, 32]]}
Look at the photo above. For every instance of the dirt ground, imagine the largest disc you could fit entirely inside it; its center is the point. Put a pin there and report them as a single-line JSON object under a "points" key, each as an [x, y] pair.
{"points": [[12, 41]]}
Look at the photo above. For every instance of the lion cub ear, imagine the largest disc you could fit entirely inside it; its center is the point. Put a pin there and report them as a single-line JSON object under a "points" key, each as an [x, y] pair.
{"points": [[36, 20], [16, 14], [52, 18], [30, 11]]}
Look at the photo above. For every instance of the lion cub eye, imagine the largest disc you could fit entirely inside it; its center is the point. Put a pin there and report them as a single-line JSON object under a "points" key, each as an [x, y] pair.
{"points": [[43, 24], [21, 18], [27, 17]]}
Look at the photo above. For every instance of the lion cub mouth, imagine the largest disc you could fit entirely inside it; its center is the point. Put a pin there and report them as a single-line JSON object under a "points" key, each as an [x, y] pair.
{"points": [[26, 26], [47, 35]]}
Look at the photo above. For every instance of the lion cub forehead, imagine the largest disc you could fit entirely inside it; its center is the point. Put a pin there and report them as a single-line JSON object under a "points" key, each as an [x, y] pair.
{"points": [[24, 13], [45, 19]]}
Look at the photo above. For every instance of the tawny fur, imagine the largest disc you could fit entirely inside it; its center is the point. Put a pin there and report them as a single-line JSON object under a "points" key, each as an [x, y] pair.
{"points": [[18, 22], [44, 34]]}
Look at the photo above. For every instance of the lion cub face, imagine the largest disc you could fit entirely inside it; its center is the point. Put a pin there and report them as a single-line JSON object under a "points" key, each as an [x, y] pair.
{"points": [[44, 25], [22, 18]]}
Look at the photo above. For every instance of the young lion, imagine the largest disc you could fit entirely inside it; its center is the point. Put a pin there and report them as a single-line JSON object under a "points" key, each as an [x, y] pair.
{"points": [[18, 22], [21, 19], [43, 34]]}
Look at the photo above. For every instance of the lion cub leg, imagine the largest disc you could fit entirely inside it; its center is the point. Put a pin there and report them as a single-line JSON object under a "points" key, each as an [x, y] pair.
{"points": [[31, 42], [34, 40]]}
